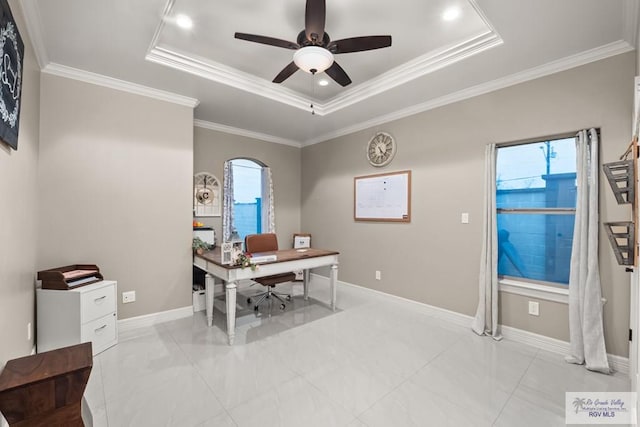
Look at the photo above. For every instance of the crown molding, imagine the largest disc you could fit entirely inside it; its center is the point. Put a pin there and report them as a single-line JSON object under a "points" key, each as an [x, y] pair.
{"points": [[412, 70], [34, 28], [243, 132], [592, 55], [404, 73], [229, 76], [110, 82]]}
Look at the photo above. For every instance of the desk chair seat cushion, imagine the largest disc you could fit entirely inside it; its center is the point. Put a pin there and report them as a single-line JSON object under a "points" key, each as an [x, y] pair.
{"points": [[275, 279]]}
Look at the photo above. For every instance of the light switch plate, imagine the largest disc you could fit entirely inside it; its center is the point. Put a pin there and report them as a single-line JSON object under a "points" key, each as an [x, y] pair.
{"points": [[464, 218]]}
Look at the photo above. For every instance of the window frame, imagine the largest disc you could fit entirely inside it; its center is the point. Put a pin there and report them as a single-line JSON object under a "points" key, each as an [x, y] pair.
{"points": [[538, 289]]}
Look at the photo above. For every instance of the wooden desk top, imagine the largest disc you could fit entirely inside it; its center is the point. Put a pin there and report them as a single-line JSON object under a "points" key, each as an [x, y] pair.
{"points": [[215, 256]]}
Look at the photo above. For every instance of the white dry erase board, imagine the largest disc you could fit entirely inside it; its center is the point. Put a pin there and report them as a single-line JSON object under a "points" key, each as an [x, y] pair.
{"points": [[383, 197]]}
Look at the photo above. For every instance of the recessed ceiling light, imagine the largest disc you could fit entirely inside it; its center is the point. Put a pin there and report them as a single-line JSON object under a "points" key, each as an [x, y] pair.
{"points": [[323, 82], [184, 21], [451, 13]]}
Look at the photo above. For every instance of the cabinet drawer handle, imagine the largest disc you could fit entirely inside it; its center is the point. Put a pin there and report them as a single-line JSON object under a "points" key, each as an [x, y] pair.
{"points": [[97, 331], [98, 300]]}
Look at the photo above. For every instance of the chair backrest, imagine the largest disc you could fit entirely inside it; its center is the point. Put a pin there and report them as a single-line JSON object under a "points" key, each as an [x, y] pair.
{"points": [[261, 242]]}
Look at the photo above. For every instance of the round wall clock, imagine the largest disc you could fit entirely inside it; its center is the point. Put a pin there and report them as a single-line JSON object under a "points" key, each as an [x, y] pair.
{"points": [[206, 195], [381, 149]]}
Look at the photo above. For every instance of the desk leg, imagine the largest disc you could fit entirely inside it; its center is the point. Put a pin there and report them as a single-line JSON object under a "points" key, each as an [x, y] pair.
{"points": [[231, 311], [333, 278], [208, 297], [305, 283]]}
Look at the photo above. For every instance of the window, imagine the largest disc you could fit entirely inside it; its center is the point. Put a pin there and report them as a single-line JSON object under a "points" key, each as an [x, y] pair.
{"points": [[536, 201]]}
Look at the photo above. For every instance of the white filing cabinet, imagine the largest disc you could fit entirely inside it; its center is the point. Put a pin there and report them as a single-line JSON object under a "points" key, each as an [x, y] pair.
{"points": [[82, 314]]}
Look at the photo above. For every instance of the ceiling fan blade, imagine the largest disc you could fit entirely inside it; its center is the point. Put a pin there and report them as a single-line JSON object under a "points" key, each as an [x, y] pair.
{"points": [[338, 74], [359, 44], [267, 40], [314, 18], [286, 73]]}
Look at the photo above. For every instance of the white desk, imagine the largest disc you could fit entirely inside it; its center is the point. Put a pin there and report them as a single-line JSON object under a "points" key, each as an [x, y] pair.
{"points": [[288, 260]]}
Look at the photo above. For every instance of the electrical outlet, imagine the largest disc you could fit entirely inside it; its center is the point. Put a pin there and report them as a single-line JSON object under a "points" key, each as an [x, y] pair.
{"points": [[29, 331], [378, 275], [464, 218], [534, 308], [128, 297]]}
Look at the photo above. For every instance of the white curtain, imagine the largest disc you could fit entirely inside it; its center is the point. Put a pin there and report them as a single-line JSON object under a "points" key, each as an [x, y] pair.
{"points": [[227, 205], [268, 211], [585, 295], [486, 320]]}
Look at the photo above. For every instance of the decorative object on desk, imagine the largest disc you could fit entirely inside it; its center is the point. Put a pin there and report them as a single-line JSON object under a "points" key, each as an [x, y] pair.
{"points": [[226, 249], [231, 249], [12, 54], [236, 246], [70, 276], [206, 195], [381, 149], [301, 241], [199, 246], [244, 260]]}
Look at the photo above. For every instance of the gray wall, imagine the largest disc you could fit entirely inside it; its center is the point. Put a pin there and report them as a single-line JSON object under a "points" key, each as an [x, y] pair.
{"points": [[114, 189], [213, 148], [435, 258], [18, 234]]}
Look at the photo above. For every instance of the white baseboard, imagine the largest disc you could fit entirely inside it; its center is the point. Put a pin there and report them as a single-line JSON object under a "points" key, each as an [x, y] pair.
{"points": [[617, 363], [154, 318]]}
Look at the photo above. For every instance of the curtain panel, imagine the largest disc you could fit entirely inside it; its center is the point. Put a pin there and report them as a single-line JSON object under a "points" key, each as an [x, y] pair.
{"points": [[486, 318], [586, 328]]}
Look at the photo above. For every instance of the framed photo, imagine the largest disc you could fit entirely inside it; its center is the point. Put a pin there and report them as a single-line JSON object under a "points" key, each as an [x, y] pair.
{"points": [[12, 55]]}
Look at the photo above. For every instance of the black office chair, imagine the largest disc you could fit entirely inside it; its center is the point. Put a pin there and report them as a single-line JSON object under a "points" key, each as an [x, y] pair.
{"points": [[267, 242]]}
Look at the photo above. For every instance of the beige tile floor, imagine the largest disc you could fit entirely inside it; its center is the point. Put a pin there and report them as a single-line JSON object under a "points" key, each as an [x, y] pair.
{"points": [[377, 361]]}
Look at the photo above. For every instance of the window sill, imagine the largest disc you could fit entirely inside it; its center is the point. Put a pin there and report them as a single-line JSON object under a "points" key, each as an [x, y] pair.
{"points": [[533, 290]]}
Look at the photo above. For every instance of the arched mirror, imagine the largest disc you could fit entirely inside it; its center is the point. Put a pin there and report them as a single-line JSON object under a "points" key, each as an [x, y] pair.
{"points": [[248, 198]]}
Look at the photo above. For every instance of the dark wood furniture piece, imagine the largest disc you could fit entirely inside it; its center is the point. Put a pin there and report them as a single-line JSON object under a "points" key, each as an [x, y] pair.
{"points": [[46, 389], [70, 276]]}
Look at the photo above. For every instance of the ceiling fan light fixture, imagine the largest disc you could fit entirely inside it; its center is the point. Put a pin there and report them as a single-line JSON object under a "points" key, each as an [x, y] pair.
{"points": [[313, 59]]}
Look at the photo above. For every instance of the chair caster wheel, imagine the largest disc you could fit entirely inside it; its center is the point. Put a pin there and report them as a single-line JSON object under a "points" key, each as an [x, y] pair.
{"points": [[248, 300], [288, 298], [282, 306], [255, 308]]}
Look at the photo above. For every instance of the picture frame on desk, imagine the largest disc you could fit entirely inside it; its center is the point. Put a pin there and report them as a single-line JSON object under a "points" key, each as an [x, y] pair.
{"points": [[12, 54]]}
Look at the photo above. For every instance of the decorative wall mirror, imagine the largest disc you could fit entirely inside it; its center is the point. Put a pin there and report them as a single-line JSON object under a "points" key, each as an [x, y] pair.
{"points": [[206, 195]]}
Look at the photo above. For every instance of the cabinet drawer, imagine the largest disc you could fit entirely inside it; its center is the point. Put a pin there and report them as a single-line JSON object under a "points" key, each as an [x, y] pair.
{"points": [[98, 303], [101, 332]]}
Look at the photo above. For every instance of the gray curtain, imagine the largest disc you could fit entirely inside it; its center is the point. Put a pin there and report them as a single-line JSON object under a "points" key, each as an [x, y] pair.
{"points": [[585, 295], [268, 210], [486, 319], [227, 205]]}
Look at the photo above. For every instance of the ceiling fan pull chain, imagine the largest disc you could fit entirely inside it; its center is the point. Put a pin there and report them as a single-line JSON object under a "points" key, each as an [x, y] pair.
{"points": [[313, 91]]}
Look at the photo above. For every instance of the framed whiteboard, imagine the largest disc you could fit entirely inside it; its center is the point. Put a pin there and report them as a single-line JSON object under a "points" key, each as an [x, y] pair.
{"points": [[382, 197]]}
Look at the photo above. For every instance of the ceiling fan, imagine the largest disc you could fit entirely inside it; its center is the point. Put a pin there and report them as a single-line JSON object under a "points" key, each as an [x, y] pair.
{"points": [[314, 48]]}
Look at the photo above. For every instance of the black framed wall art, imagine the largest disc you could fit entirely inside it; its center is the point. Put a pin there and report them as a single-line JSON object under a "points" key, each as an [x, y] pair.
{"points": [[11, 57]]}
